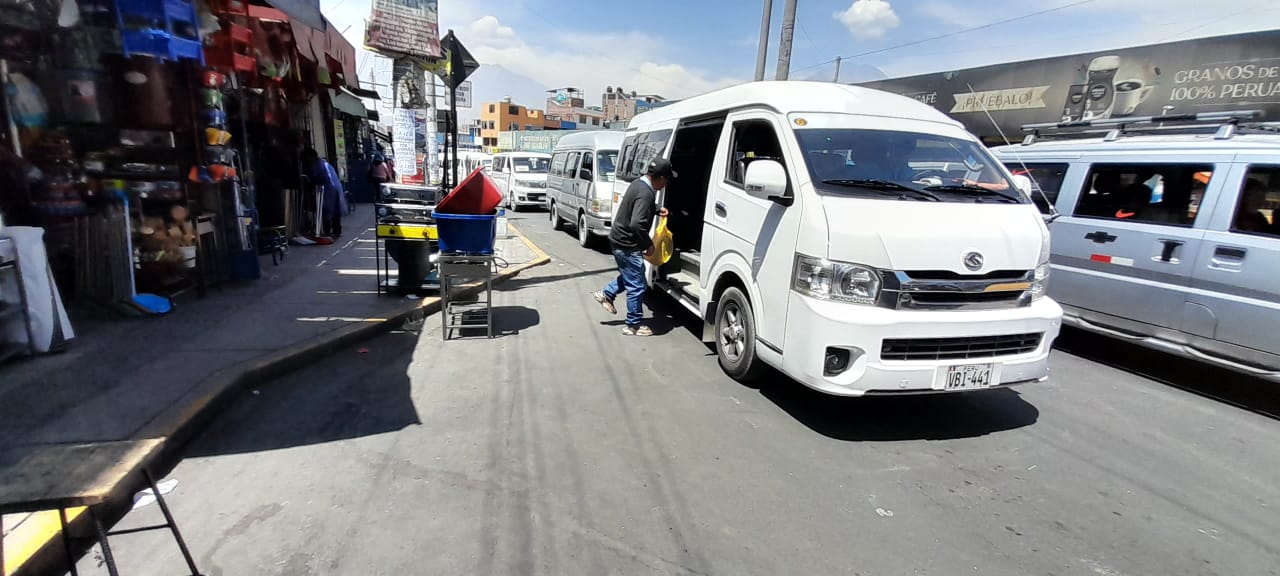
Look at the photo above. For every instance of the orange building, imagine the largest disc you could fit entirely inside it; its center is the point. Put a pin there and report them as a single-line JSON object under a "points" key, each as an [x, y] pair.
{"points": [[505, 116]]}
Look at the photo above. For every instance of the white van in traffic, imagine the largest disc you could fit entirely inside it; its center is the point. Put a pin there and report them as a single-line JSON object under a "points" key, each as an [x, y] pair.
{"points": [[1169, 232], [858, 241], [522, 178], [580, 185]]}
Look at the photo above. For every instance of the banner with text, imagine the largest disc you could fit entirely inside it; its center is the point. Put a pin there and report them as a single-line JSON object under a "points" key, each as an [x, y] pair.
{"points": [[403, 147], [1239, 72], [404, 27]]}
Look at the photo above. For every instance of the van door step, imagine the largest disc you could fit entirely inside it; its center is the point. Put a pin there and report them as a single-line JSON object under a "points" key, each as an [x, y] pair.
{"points": [[686, 283], [691, 260]]}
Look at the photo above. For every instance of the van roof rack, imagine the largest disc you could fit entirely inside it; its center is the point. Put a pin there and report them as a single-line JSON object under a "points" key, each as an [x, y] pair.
{"points": [[1223, 125]]}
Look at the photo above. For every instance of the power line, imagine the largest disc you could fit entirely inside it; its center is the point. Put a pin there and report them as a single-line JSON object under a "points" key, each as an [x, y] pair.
{"points": [[950, 34]]}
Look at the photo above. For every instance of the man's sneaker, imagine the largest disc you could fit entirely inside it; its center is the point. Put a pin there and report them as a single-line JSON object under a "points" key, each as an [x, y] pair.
{"points": [[605, 302], [637, 331]]}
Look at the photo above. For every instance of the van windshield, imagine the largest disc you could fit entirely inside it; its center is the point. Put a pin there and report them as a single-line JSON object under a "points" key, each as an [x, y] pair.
{"points": [[530, 164], [607, 160], [906, 165]]}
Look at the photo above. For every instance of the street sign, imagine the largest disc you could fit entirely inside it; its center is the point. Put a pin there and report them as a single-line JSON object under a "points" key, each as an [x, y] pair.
{"points": [[456, 63], [464, 95]]}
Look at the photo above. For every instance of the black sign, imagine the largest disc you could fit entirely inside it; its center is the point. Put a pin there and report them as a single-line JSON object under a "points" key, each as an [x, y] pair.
{"points": [[1239, 72], [459, 64]]}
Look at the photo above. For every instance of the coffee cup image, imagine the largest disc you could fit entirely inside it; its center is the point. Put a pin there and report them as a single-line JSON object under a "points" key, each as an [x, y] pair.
{"points": [[1129, 94], [1101, 87]]}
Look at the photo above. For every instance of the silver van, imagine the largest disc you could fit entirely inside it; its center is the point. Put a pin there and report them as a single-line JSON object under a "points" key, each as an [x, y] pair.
{"points": [[1170, 240], [579, 186]]}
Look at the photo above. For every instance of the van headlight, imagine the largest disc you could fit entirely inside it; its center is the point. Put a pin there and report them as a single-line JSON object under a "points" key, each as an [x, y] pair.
{"points": [[836, 281], [1040, 279], [600, 205]]}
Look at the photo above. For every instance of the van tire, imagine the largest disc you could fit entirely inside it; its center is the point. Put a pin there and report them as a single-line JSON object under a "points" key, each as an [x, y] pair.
{"points": [[584, 233], [735, 333], [556, 223]]}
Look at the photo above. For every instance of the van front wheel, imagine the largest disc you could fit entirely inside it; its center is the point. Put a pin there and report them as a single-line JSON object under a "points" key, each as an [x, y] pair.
{"points": [[736, 336]]}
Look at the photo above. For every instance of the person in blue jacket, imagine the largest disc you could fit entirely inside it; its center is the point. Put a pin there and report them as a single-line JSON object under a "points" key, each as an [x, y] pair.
{"points": [[323, 175]]}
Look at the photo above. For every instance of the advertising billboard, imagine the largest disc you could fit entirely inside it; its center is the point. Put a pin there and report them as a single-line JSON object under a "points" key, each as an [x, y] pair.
{"points": [[404, 28], [1239, 72]]}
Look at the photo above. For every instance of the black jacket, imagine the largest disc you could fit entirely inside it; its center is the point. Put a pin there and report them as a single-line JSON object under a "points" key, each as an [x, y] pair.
{"points": [[633, 216]]}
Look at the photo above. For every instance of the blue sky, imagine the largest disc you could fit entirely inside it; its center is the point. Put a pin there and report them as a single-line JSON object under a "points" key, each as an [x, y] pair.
{"points": [[679, 48]]}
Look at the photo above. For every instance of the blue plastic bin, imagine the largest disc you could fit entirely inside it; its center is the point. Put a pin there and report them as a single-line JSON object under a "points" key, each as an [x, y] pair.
{"points": [[466, 233]]}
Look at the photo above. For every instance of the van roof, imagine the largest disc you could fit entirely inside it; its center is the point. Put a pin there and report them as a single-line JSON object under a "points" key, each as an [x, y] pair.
{"points": [[790, 96], [1244, 142], [610, 139], [522, 153]]}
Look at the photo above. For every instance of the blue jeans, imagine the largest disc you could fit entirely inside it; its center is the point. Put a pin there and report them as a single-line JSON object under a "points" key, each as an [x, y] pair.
{"points": [[630, 278]]}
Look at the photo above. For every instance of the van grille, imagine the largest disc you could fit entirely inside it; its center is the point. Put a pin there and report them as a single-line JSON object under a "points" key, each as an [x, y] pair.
{"points": [[959, 348]]}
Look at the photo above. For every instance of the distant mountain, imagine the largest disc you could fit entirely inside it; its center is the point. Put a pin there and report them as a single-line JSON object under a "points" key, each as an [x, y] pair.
{"points": [[492, 83]]}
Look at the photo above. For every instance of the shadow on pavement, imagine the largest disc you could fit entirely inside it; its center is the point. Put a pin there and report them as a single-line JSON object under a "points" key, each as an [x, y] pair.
{"points": [[925, 417], [1196, 377], [522, 281], [366, 393], [507, 321]]}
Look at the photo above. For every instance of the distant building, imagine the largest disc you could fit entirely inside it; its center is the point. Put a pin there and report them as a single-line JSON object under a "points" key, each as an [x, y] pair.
{"points": [[622, 106], [506, 116], [568, 105]]}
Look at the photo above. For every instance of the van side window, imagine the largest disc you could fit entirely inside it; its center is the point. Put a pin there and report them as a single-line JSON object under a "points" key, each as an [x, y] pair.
{"points": [[557, 164], [1166, 194], [587, 164], [647, 147], [1258, 207], [752, 140], [1046, 181], [571, 165]]}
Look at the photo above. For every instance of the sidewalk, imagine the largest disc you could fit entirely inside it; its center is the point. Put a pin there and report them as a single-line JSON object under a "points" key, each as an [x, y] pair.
{"points": [[157, 377]]}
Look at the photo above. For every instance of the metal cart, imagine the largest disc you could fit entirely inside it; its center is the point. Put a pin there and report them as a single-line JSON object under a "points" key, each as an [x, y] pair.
{"points": [[458, 269]]}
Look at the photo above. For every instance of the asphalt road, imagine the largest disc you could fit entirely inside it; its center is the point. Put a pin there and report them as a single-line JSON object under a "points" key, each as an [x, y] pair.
{"points": [[564, 447]]}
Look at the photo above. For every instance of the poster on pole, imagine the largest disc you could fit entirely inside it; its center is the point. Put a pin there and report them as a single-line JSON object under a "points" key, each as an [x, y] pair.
{"points": [[404, 28], [403, 147]]}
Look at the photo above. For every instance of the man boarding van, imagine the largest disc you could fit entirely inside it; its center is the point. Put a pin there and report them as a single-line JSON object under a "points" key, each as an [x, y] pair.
{"points": [[858, 241]]}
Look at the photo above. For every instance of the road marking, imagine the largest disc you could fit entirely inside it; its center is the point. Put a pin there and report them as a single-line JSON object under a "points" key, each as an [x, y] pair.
{"points": [[38, 531]]}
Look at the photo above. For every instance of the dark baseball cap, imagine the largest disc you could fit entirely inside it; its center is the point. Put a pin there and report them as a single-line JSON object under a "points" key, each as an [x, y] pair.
{"points": [[661, 167]]}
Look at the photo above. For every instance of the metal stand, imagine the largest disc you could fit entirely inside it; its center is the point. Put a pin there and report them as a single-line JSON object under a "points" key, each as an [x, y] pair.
{"points": [[9, 262], [460, 269]]}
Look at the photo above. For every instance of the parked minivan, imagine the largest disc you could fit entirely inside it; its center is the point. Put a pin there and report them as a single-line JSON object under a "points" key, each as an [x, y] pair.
{"points": [[1168, 241], [580, 185], [522, 178], [860, 242]]}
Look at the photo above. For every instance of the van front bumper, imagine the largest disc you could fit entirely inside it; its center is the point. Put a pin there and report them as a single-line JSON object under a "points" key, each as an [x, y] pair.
{"points": [[529, 196], [599, 223], [814, 325]]}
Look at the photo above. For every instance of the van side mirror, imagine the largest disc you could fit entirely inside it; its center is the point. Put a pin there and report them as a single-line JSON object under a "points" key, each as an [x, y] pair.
{"points": [[767, 180], [584, 174], [1023, 184]]}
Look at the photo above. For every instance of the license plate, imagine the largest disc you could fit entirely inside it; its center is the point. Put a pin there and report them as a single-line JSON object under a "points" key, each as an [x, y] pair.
{"points": [[969, 376]]}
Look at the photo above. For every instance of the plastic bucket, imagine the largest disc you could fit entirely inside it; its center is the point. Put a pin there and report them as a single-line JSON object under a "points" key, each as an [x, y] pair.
{"points": [[467, 233]]}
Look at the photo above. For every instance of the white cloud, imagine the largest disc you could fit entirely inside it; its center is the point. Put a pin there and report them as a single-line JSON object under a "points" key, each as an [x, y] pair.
{"points": [[589, 61], [868, 18]]}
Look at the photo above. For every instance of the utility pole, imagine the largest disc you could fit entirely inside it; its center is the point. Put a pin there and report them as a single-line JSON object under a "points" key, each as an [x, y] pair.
{"points": [[838, 59], [784, 43], [763, 52]]}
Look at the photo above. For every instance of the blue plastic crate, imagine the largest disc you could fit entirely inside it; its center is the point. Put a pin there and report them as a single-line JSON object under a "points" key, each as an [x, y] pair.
{"points": [[147, 42], [466, 233]]}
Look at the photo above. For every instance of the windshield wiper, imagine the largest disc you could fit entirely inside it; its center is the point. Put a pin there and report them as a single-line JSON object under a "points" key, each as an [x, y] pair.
{"points": [[883, 186], [973, 190]]}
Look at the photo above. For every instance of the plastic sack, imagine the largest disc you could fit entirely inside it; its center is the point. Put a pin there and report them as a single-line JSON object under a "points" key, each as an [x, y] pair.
{"points": [[663, 244]]}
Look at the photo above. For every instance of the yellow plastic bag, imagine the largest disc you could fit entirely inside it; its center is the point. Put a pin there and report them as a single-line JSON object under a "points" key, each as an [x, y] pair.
{"points": [[663, 245]]}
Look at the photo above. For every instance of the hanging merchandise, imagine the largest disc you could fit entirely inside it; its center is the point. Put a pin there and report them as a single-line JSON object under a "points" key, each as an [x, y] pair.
{"points": [[29, 107], [143, 100]]}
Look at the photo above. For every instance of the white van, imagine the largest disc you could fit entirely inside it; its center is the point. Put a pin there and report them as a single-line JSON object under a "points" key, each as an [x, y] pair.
{"points": [[858, 241], [1167, 239], [472, 160], [580, 185], [522, 178]]}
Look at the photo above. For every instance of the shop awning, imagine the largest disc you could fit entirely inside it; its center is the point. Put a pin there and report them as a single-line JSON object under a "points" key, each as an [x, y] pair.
{"points": [[347, 103], [302, 11], [365, 92]]}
